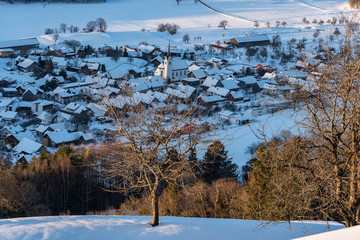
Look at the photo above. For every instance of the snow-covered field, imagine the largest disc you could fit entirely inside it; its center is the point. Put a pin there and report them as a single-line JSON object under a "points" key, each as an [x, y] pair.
{"points": [[125, 19], [134, 227]]}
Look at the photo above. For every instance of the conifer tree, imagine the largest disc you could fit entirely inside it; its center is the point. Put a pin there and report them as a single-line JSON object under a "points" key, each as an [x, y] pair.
{"points": [[216, 164]]}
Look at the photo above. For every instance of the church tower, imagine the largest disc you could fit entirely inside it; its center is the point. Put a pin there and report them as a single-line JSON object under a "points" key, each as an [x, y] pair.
{"points": [[168, 66]]}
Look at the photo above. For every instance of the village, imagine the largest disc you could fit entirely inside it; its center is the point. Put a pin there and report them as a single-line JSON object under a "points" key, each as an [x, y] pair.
{"points": [[52, 95]]}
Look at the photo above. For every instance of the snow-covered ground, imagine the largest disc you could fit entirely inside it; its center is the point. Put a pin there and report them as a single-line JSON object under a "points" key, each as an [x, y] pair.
{"points": [[135, 227], [125, 19]]}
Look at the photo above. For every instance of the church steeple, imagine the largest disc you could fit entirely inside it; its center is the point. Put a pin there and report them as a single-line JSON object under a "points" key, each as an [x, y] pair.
{"points": [[168, 53]]}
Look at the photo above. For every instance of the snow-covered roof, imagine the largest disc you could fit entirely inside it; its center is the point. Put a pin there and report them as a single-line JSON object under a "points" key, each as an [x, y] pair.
{"points": [[194, 67], [178, 64], [145, 83], [42, 128], [146, 48], [26, 134], [45, 115], [26, 63], [230, 84], [253, 38], [209, 81], [62, 136], [219, 91], [209, 99], [13, 128], [248, 79], [60, 61], [268, 75], [199, 73], [43, 102], [6, 50], [6, 102], [237, 94], [19, 43], [90, 65], [226, 113], [8, 115], [27, 146]]}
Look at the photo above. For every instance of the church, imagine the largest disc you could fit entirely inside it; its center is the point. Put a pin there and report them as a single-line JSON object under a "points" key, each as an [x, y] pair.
{"points": [[172, 69]]}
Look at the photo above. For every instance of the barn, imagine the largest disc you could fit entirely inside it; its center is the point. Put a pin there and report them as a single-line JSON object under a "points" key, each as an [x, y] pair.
{"points": [[20, 44], [250, 41]]}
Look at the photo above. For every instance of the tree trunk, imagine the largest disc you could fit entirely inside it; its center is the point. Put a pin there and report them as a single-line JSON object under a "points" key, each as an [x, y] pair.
{"points": [[155, 208]]}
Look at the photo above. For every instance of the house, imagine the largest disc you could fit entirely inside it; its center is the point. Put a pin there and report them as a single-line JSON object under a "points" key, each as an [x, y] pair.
{"points": [[211, 82], [155, 83], [90, 68], [225, 114], [66, 96], [40, 106], [249, 84], [221, 46], [250, 41], [240, 119], [194, 82], [155, 62], [21, 44], [28, 146], [182, 92], [57, 138], [31, 94], [223, 92], [69, 52], [5, 104], [236, 96], [9, 92], [198, 73], [149, 51], [6, 52], [172, 69], [14, 138], [59, 62], [8, 130], [46, 118], [27, 65], [41, 129], [230, 84], [209, 100], [6, 81], [8, 116]]}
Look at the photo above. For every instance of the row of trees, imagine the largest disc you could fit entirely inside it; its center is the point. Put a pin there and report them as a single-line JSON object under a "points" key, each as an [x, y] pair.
{"points": [[98, 25], [78, 181]]}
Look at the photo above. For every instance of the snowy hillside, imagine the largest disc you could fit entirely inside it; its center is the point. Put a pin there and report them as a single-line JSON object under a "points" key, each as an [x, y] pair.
{"points": [[24, 20], [126, 227]]}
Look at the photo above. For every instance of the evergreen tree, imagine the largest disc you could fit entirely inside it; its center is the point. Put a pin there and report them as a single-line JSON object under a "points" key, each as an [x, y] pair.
{"points": [[216, 164]]}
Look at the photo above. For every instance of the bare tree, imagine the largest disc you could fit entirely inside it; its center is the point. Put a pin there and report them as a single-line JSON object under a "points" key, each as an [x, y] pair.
{"points": [[330, 99], [155, 144], [186, 38], [90, 26], [101, 24], [63, 27], [223, 24]]}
